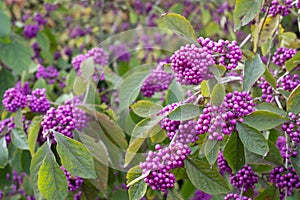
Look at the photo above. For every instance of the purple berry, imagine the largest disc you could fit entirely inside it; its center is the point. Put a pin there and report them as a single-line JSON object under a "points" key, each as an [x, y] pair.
{"points": [[37, 101], [244, 179], [13, 99], [30, 31]]}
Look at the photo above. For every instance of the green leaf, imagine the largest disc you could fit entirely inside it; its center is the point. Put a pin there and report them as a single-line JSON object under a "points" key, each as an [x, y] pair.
{"points": [[139, 134], [212, 155], [273, 158], [80, 85], [102, 176], [130, 89], [144, 108], [133, 173], [96, 147], [217, 95], [4, 24], [269, 26], [19, 139], [75, 157], [270, 107], [270, 78], [175, 93], [157, 134], [271, 193], [87, 68], [173, 194], [43, 41], [253, 71], [178, 24], [204, 177], [293, 102], [252, 139], [264, 120], [16, 55], [52, 181], [7, 80], [138, 190], [205, 88], [112, 129], [296, 162], [245, 11], [33, 132], [293, 62], [234, 153], [185, 112], [3, 153]]}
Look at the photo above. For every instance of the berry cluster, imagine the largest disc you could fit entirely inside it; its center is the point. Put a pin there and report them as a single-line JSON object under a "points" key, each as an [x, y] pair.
{"points": [[13, 99], [100, 58], [60, 120], [120, 52], [49, 73], [158, 164], [187, 132], [290, 82], [191, 64], [232, 196], [292, 127], [8, 124], [200, 195], [170, 125], [225, 52], [283, 54], [37, 101], [244, 179], [282, 8], [99, 55], [16, 187], [281, 145], [157, 81], [24, 89], [285, 179], [79, 115], [222, 119], [30, 31], [74, 182], [267, 90], [222, 164]]}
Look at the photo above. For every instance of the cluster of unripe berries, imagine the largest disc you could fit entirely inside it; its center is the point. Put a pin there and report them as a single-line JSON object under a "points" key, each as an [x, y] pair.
{"points": [[157, 81], [219, 120], [100, 58], [159, 163], [18, 98]]}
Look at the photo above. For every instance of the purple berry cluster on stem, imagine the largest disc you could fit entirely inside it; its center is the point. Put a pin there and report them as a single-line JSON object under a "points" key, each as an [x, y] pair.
{"points": [[244, 179], [290, 82], [37, 101], [13, 99], [191, 64], [219, 120], [74, 182], [49, 73], [225, 53], [222, 164], [200, 195], [30, 31], [283, 54], [157, 81], [23, 88], [232, 196], [170, 125], [158, 164], [279, 7], [285, 179], [292, 127], [267, 90]]}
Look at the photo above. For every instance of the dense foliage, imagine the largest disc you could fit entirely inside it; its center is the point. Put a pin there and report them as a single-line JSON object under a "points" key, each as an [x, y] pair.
{"points": [[150, 99]]}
